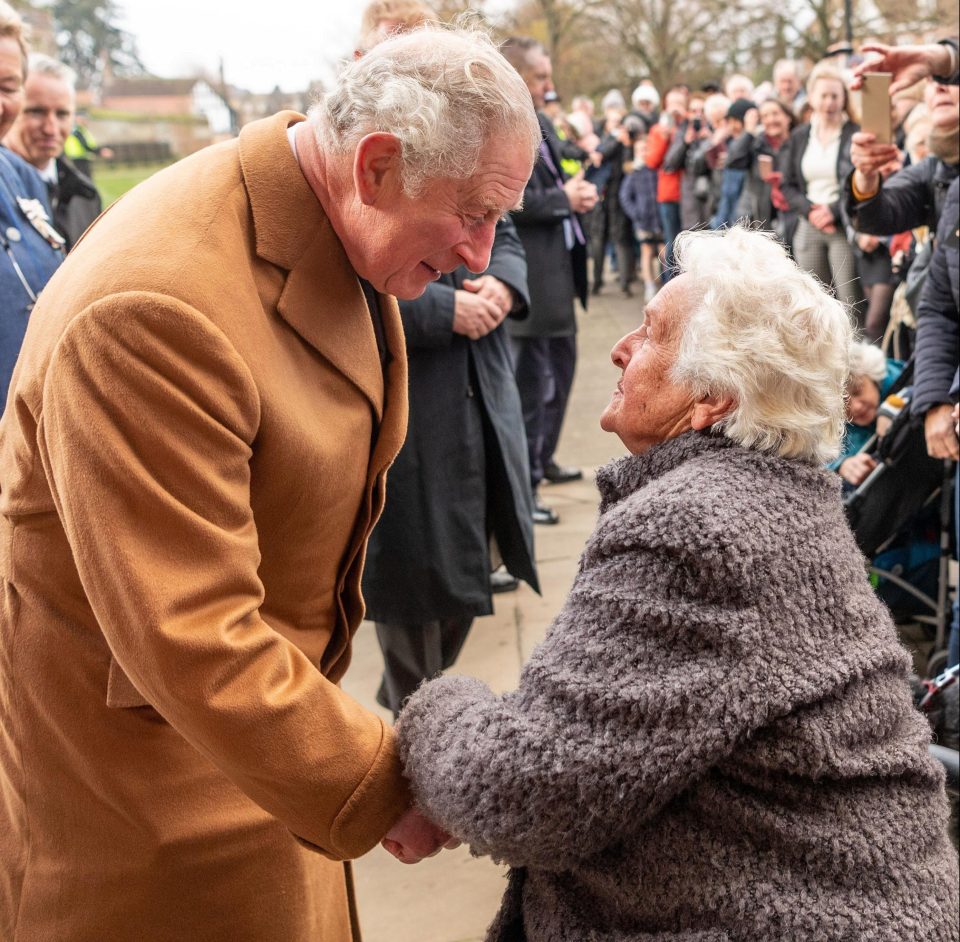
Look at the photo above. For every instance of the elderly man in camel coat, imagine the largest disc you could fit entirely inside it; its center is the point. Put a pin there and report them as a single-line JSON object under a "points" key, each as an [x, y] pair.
{"points": [[192, 458]]}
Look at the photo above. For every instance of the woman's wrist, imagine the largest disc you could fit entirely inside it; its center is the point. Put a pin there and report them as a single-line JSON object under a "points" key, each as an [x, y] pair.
{"points": [[864, 185]]}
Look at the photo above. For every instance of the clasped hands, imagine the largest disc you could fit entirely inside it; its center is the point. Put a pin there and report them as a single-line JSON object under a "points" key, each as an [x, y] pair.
{"points": [[414, 838], [480, 306]]}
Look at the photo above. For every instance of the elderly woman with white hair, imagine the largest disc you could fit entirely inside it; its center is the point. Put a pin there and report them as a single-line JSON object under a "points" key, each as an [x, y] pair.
{"points": [[871, 377], [716, 739]]}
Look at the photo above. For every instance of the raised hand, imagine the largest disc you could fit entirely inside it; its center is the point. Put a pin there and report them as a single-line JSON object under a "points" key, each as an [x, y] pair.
{"points": [[908, 64]]}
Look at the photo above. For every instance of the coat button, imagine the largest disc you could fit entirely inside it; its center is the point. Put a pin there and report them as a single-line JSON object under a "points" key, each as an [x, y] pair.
{"points": [[469, 391], [13, 234]]}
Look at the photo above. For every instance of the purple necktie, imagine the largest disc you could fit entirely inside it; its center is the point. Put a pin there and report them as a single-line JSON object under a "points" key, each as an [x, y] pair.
{"points": [[552, 167]]}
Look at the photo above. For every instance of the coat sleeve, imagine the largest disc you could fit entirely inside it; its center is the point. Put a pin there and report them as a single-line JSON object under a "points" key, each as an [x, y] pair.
{"points": [[676, 155], [428, 320], [658, 141], [544, 203], [793, 187], [629, 197], [146, 436], [633, 695], [938, 330], [904, 201], [508, 262]]}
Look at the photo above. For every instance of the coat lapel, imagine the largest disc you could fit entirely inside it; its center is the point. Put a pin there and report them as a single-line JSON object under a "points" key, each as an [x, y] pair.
{"points": [[321, 298]]}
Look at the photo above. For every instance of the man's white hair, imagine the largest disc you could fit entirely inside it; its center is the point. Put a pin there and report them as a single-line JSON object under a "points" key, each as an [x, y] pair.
{"points": [[715, 108], [770, 336], [867, 360], [40, 64], [442, 92]]}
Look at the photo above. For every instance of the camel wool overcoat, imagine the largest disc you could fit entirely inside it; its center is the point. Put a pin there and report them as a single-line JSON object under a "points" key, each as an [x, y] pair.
{"points": [[192, 458]]}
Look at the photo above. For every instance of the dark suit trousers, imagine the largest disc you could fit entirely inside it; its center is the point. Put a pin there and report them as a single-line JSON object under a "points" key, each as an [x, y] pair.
{"points": [[545, 367], [415, 653]]}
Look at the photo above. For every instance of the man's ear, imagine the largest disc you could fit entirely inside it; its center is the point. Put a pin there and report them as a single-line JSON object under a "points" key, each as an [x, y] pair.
{"points": [[376, 166], [710, 410]]}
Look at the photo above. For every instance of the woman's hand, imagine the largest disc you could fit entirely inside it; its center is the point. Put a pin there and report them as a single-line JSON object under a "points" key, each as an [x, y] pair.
{"points": [[867, 243], [909, 64], [414, 838], [822, 217], [870, 159], [940, 432], [856, 469]]}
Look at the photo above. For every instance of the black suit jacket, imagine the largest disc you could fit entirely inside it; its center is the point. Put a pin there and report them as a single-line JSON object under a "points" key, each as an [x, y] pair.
{"points": [[794, 186], [556, 274]]}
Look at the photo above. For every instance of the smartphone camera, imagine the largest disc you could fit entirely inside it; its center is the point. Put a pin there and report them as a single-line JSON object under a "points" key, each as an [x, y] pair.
{"points": [[697, 124]]}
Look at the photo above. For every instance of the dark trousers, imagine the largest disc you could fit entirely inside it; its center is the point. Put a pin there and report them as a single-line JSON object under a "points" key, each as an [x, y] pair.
{"points": [[670, 220], [415, 653], [544, 367]]}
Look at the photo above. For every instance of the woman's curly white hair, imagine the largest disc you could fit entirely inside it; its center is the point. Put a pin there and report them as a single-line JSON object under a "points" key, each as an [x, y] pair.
{"points": [[768, 335]]}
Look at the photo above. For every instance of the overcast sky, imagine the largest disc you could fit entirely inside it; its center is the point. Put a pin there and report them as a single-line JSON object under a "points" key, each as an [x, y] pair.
{"points": [[272, 42], [263, 44]]}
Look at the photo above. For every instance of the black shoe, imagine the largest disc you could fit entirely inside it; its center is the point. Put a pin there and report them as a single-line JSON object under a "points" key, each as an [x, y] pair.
{"points": [[557, 474], [502, 581], [543, 514], [597, 288]]}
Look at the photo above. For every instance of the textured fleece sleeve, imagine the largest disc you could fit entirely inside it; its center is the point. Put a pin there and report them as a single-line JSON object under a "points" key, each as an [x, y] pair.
{"points": [[148, 422], [645, 680]]}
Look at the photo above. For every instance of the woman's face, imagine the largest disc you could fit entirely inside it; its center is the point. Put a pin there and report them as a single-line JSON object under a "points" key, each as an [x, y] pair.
{"points": [[827, 97], [11, 83], [647, 406], [863, 399], [774, 121], [942, 104]]}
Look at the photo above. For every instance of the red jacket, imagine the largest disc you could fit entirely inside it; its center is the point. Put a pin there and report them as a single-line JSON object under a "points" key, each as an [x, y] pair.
{"points": [[668, 181]]}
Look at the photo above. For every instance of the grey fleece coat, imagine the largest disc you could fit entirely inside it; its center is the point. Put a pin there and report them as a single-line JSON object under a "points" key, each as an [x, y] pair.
{"points": [[715, 742]]}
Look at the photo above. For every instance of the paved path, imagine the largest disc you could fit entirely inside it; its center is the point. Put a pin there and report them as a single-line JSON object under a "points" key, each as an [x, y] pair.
{"points": [[453, 897]]}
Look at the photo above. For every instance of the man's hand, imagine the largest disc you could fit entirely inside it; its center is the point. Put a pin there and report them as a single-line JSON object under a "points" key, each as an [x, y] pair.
{"points": [[941, 433], [822, 217], [474, 316], [493, 289], [870, 159], [856, 468], [414, 838], [582, 195], [908, 64]]}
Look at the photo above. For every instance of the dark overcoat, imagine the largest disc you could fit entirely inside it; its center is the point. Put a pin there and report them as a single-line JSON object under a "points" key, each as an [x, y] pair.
{"points": [[557, 274], [463, 466]]}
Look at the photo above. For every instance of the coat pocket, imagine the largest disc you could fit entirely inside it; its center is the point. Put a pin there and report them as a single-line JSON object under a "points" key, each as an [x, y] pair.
{"points": [[121, 693]]}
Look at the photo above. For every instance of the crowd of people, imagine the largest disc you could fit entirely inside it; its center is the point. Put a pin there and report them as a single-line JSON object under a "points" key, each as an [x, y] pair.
{"points": [[777, 156], [716, 738]]}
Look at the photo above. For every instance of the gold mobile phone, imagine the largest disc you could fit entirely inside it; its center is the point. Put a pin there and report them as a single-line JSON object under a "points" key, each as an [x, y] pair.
{"points": [[875, 105]]}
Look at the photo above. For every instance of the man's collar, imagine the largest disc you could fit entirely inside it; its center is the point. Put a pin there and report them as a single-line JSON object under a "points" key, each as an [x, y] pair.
{"points": [[49, 173]]}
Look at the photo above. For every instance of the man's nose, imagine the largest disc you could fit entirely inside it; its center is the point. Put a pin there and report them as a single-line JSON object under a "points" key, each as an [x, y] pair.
{"points": [[474, 251]]}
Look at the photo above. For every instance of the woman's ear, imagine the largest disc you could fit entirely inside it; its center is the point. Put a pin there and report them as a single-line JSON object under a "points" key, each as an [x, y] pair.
{"points": [[710, 410], [376, 166]]}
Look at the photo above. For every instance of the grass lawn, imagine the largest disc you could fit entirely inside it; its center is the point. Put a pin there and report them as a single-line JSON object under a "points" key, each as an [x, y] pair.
{"points": [[113, 181]]}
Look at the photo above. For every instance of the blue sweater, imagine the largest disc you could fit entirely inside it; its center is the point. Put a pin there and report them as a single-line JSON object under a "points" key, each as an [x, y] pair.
{"points": [[21, 242]]}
